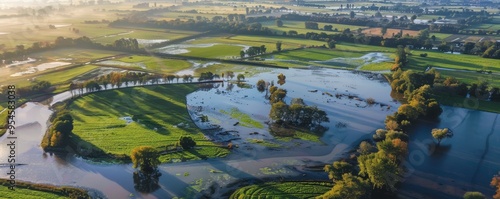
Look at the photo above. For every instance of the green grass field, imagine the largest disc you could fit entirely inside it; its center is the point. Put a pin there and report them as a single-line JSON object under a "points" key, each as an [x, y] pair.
{"points": [[315, 54], [216, 51], [299, 26], [77, 55], [382, 66], [22, 193], [290, 190], [471, 63], [97, 121], [157, 64], [268, 41], [244, 119]]}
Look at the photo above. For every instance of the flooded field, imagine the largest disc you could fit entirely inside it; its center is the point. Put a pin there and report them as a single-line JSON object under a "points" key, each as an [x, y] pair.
{"points": [[40, 67], [341, 94]]}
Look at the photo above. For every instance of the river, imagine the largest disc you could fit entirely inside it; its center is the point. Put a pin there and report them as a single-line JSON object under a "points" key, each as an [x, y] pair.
{"points": [[468, 157]]}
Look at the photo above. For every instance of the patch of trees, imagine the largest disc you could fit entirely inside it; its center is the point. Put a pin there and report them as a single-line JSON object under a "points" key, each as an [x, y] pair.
{"points": [[36, 88], [378, 168], [486, 49], [254, 50], [59, 132], [311, 25], [416, 88], [297, 114]]}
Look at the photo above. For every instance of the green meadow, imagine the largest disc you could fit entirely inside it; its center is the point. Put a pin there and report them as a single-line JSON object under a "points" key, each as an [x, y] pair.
{"points": [[268, 41], [23, 193], [157, 64], [159, 111], [283, 190], [216, 51]]}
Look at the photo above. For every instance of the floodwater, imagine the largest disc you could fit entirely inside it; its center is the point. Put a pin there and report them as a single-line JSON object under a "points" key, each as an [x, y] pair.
{"points": [[183, 48], [465, 162], [469, 157], [41, 67]]}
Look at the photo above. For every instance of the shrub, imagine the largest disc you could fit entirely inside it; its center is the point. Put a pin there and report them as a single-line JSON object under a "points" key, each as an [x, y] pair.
{"points": [[423, 55]]}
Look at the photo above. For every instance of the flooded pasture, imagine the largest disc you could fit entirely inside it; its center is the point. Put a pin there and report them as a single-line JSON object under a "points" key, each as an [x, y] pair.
{"points": [[467, 159]]}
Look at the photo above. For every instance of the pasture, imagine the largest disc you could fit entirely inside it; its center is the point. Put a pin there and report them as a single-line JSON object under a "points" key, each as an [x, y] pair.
{"points": [[156, 64], [160, 119]]}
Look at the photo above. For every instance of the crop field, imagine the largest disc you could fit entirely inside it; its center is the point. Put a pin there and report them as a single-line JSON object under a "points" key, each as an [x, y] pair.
{"points": [[299, 26], [283, 190], [159, 110], [157, 64], [389, 33]]}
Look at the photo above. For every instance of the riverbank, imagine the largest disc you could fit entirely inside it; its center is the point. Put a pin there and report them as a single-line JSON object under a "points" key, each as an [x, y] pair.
{"points": [[24, 189]]}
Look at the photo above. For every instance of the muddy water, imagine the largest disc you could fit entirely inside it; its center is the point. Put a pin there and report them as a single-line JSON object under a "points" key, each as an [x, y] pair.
{"points": [[469, 159]]}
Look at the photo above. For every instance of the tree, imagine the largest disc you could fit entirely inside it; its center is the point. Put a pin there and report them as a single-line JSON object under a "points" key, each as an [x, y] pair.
{"points": [[433, 37], [380, 170], [349, 187], [352, 14], [337, 169], [261, 85], [279, 23], [495, 182], [366, 148], [240, 77], [230, 74], [278, 46], [440, 134], [413, 18], [145, 158], [242, 54], [331, 44], [383, 30], [186, 142], [474, 195]]}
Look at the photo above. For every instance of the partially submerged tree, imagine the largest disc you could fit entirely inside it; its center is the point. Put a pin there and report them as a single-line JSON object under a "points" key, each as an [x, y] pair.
{"points": [[440, 134], [145, 158], [337, 169]]}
